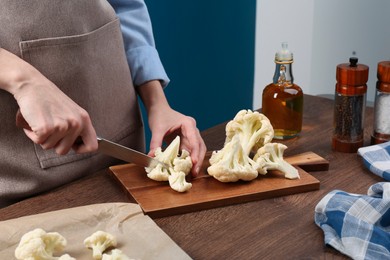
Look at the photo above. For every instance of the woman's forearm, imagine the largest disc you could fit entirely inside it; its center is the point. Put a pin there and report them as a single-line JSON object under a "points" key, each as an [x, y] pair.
{"points": [[14, 72], [152, 95]]}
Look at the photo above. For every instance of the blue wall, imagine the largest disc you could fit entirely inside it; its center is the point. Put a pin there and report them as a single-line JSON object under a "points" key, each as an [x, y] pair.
{"points": [[207, 48]]}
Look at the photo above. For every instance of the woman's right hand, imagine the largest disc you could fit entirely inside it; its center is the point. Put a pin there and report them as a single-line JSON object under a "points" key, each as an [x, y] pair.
{"points": [[49, 117]]}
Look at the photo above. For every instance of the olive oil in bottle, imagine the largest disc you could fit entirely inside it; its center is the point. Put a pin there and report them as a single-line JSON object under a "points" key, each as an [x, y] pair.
{"points": [[282, 100]]}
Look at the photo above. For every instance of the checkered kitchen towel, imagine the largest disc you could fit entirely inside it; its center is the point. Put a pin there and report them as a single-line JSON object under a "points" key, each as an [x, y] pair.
{"points": [[377, 159], [357, 225]]}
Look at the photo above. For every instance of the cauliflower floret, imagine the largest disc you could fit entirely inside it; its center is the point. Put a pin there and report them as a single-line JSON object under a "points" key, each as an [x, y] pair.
{"points": [[253, 128], [159, 172], [183, 163], [177, 181], [232, 164], [270, 157], [39, 245], [116, 254], [179, 166], [99, 242], [248, 133]]}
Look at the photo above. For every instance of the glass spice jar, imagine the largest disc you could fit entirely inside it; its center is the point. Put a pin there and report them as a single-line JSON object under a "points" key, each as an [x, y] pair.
{"points": [[349, 106], [381, 132]]}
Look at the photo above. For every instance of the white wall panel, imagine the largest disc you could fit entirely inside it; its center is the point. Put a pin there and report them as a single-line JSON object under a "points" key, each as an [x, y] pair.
{"points": [[321, 34]]}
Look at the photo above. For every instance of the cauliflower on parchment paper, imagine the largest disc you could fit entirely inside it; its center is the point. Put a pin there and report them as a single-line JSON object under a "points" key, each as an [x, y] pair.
{"points": [[41, 245], [249, 132], [115, 254], [179, 166], [99, 242]]}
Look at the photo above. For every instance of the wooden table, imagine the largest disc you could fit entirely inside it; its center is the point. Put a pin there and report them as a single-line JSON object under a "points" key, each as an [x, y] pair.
{"points": [[279, 228]]}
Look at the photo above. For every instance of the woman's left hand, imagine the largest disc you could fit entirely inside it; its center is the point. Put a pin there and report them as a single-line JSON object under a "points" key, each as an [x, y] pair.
{"points": [[166, 123]]}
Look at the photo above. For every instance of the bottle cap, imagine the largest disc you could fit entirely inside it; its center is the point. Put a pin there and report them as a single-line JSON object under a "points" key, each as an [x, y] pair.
{"points": [[352, 73], [284, 54]]}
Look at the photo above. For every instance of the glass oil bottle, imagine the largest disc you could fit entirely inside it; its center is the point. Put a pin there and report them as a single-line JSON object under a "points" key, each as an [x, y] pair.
{"points": [[282, 100]]}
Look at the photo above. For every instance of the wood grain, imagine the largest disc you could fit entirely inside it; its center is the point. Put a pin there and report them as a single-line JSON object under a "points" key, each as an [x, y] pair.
{"points": [[276, 228], [157, 199], [309, 162]]}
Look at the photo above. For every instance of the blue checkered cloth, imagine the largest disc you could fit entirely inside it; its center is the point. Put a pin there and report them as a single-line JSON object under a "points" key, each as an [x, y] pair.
{"points": [[357, 225], [377, 159]]}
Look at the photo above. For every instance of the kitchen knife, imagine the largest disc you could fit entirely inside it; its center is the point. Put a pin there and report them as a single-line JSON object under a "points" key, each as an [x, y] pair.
{"points": [[126, 154]]}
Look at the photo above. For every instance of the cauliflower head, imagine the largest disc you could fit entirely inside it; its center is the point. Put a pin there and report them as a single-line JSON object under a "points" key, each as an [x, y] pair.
{"points": [[99, 242], [41, 245], [270, 157], [253, 128], [232, 163], [179, 166]]}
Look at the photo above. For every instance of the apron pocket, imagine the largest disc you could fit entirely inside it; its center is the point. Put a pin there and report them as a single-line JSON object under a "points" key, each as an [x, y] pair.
{"points": [[92, 70]]}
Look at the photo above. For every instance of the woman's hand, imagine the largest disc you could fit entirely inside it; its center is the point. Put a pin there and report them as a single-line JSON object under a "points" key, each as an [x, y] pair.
{"points": [[49, 117], [166, 123]]}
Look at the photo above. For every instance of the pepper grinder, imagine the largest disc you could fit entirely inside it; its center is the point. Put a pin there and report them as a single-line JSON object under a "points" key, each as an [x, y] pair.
{"points": [[349, 106], [381, 131]]}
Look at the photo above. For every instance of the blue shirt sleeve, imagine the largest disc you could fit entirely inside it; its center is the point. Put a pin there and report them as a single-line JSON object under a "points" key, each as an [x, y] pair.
{"points": [[142, 56]]}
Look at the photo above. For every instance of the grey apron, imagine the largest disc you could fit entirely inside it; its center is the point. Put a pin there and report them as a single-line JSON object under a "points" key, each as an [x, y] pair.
{"points": [[78, 45]]}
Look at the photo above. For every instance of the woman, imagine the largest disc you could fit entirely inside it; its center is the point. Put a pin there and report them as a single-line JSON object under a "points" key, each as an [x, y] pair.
{"points": [[67, 70]]}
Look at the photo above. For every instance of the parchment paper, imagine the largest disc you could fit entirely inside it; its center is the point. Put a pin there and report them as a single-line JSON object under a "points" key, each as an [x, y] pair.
{"points": [[138, 235]]}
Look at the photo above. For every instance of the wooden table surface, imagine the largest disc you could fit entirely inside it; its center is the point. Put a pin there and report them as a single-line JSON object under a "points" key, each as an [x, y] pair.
{"points": [[279, 228]]}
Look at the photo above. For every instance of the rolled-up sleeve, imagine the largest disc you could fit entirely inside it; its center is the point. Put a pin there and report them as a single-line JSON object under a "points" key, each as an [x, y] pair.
{"points": [[142, 56]]}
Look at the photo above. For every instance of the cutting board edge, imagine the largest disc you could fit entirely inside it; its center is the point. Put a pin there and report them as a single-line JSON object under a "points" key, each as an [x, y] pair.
{"points": [[160, 213]]}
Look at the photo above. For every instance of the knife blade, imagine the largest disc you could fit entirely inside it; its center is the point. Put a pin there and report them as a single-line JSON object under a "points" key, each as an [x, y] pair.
{"points": [[126, 154]]}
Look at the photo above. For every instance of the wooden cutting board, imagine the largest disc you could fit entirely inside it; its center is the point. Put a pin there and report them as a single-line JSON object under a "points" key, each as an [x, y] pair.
{"points": [[157, 199]]}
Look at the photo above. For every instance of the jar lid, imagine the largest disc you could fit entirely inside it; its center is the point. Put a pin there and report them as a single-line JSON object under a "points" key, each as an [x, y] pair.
{"points": [[352, 73], [383, 72]]}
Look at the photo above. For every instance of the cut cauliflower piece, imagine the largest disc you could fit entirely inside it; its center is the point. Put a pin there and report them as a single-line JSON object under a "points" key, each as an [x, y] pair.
{"points": [[270, 157], [179, 166], [99, 242], [177, 181], [115, 254], [183, 163], [159, 172], [232, 163], [253, 128], [41, 245]]}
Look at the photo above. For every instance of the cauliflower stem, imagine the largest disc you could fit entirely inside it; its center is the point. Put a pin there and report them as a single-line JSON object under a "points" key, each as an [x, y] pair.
{"points": [[270, 157], [231, 163]]}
